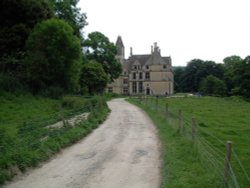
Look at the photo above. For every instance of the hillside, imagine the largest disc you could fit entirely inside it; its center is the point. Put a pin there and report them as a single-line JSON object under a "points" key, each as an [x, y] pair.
{"points": [[26, 138]]}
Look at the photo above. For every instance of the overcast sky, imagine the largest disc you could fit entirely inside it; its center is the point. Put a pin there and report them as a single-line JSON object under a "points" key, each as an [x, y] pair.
{"points": [[183, 29]]}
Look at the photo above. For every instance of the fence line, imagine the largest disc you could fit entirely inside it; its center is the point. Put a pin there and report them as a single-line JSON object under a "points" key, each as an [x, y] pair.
{"points": [[209, 152], [242, 167]]}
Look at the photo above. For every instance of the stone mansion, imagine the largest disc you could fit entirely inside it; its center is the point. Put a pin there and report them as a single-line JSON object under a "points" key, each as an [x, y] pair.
{"points": [[147, 74]]}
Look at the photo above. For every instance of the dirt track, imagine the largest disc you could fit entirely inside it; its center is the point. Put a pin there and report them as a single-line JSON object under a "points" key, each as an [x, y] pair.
{"points": [[121, 153]]}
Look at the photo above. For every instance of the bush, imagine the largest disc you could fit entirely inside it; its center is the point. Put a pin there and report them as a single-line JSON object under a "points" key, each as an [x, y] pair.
{"points": [[71, 102], [212, 85]]}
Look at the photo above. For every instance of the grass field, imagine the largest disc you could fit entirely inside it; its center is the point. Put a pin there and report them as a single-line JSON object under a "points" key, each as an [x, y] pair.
{"points": [[218, 120], [24, 139]]}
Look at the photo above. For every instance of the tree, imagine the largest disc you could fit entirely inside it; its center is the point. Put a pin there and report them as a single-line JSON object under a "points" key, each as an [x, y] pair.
{"points": [[241, 78], [70, 13], [196, 70], [99, 48], [231, 63], [54, 57], [178, 78], [212, 85], [93, 77], [190, 77], [17, 19]]}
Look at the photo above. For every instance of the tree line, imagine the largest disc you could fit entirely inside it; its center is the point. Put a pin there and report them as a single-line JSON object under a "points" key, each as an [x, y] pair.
{"points": [[43, 49], [232, 77]]}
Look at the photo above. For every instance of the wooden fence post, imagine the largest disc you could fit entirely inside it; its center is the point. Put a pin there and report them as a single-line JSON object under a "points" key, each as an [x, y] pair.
{"points": [[193, 130], [227, 162]]}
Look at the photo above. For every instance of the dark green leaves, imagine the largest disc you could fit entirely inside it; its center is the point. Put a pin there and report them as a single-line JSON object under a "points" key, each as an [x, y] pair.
{"points": [[54, 56]]}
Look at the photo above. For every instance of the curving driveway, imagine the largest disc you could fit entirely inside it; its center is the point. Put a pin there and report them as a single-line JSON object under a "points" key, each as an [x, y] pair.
{"points": [[122, 153]]}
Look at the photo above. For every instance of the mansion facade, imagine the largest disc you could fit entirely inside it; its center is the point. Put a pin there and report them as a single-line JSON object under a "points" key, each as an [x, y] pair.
{"points": [[147, 74]]}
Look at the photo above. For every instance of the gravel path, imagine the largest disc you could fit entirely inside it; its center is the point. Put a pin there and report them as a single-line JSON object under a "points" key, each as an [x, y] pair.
{"points": [[122, 153]]}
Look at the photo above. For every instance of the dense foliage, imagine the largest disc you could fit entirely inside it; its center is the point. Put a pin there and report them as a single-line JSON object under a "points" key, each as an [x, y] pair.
{"points": [[212, 85], [230, 78], [68, 11], [17, 19], [54, 55], [94, 77], [99, 48], [41, 49]]}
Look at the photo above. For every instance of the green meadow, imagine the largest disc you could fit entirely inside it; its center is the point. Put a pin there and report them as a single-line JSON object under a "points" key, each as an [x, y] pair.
{"points": [[200, 163]]}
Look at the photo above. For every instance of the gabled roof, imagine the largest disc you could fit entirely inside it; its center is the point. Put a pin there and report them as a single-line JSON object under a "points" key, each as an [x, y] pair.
{"points": [[137, 58], [147, 59], [156, 59]]}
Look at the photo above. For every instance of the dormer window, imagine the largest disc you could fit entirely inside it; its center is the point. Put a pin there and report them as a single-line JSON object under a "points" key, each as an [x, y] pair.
{"points": [[147, 67], [135, 67]]}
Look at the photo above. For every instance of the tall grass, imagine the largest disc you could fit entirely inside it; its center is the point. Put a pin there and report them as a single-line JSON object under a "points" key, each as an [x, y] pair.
{"points": [[25, 140]]}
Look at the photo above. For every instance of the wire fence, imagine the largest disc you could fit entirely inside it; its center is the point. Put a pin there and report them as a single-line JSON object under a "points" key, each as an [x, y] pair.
{"points": [[227, 165]]}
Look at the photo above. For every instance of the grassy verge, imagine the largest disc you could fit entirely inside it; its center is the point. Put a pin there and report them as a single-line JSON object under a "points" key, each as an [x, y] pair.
{"points": [[186, 164], [24, 139]]}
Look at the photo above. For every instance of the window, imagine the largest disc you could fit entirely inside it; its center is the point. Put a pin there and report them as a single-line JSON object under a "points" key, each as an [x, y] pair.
{"points": [[135, 67], [125, 73], [147, 75], [147, 67], [125, 90], [164, 66], [140, 75], [110, 89], [134, 89], [125, 81], [134, 75], [140, 87]]}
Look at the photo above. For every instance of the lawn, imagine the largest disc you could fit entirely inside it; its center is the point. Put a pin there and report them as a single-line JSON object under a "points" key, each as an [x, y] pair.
{"points": [[201, 164]]}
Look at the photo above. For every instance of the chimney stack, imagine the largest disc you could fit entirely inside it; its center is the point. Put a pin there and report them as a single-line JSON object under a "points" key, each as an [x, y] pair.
{"points": [[131, 51], [155, 47]]}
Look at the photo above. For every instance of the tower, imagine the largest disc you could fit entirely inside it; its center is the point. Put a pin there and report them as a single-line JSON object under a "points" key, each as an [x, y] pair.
{"points": [[120, 48]]}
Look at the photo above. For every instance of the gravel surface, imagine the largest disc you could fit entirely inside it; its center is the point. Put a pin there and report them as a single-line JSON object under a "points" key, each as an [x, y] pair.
{"points": [[122, 153]]}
